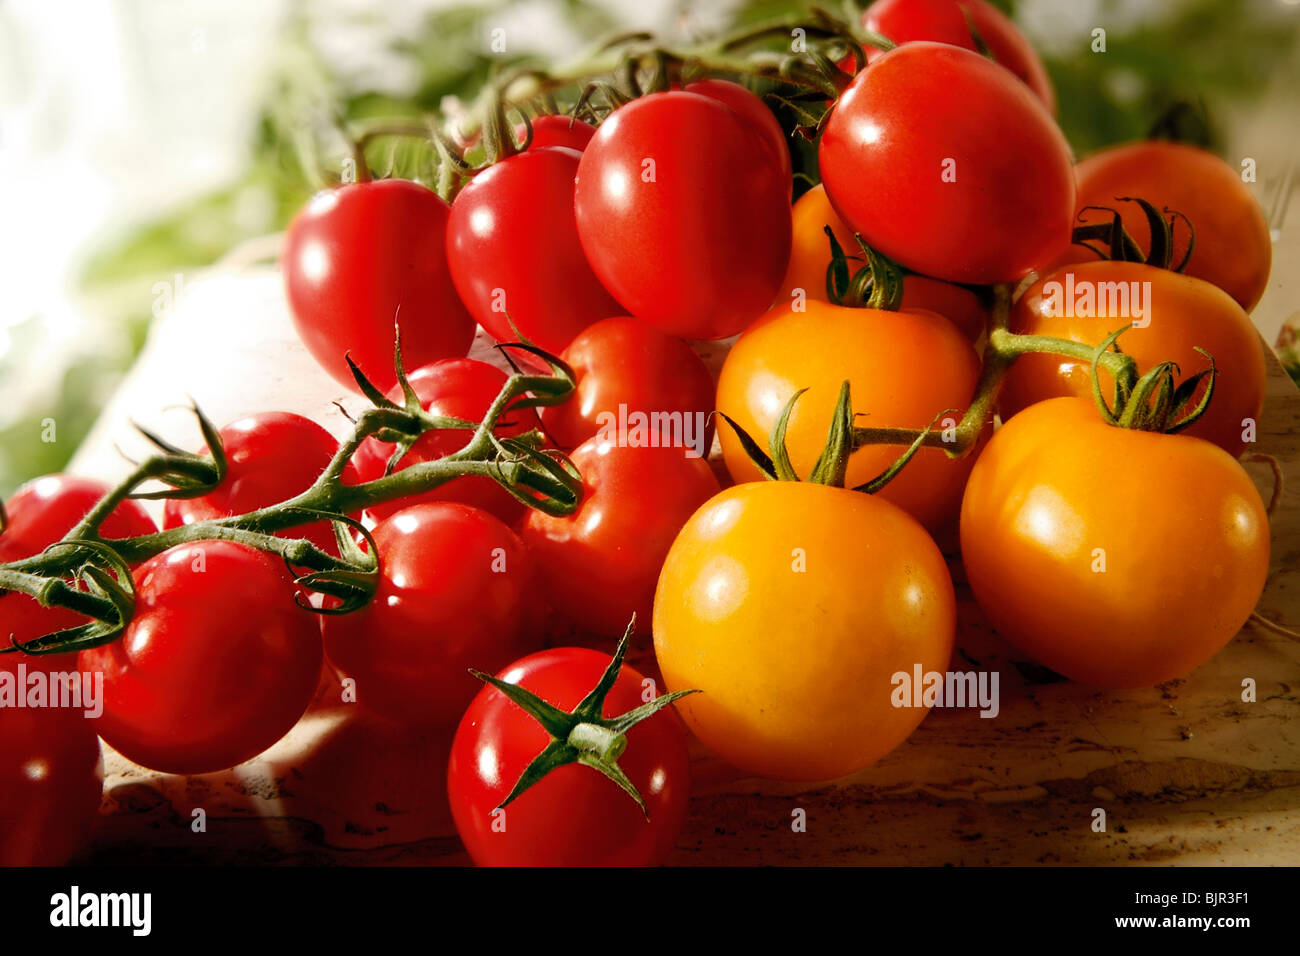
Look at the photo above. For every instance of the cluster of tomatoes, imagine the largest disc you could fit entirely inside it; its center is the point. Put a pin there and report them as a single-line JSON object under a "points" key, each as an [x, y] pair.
{"points": [[1119, 556]]}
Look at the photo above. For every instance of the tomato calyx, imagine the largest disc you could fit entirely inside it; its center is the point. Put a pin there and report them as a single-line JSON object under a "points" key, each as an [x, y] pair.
{"points": [[1119, 246], [878, 284], [1156, 402], [842, 439], [583, 735]]}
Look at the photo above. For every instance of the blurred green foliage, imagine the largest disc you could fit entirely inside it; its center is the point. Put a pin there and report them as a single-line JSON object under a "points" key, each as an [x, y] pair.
{"points": [[1217, 54]]}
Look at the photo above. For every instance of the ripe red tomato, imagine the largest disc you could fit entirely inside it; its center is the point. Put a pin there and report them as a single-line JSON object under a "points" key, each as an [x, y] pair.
{"points": [[40, 513], [623, 362], [949, 166], [271, 457], [514, 253], [751, 108], [600, 564], [558, 131], [1079, 553], [456, 589], [810, 256], [352, 257], [50, 779], [1233, 248], [218, 663], [575, 816], [457, 388], [1176, 314], [677, 220], [946, 21]]}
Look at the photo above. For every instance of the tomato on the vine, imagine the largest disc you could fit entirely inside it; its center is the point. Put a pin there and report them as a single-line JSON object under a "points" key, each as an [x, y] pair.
{"points": [[50, 778], [1233, 249], [566, 131], [678, 221], [1172, 314], [39, 514], [513, 247], [749, 107], [271, 457], [904, 368], [956, 22], [456, 588], [810, 256], [574, 816], [600, 564], [455, 388], [1081, 550], [364, 260], [624, 366], [949, 166], [790, 606], [217, 664]]}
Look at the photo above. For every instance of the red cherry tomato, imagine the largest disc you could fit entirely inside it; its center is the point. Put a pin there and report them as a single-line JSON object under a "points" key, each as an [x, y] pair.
{"points": [[946, 21], [676, 218], [575, 816], [625, 363], [751, 108], [218, 663], [271, 456], [557, 131], [456, 589], [600, 564], [457, 388], [515, 256], [352, 257], [40, 513], [949, 166], [50, 780]]}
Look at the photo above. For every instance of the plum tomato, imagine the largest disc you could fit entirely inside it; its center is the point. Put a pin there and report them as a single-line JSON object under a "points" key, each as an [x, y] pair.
{"points": [[749, 107], [678, 221], [364, 259], [948, 165]]}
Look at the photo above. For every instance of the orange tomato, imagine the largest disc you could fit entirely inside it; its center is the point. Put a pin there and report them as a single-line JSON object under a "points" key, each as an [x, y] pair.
{"points": [[1118, 558], [791, 606], [1233, 249], [810, 255], [904, 368], [1179, 313]]}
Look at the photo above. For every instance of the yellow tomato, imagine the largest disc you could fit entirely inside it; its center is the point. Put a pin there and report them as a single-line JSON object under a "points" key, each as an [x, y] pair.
{"points": [[792, 606], [904, 368]]}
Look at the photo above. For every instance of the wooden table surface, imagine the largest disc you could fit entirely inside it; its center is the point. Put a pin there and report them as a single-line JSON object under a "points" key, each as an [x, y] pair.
{"points": [[1187, 773]]}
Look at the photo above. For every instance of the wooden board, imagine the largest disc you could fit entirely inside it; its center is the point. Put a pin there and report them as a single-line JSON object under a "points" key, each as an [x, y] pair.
{"points": [[1187, 773]]}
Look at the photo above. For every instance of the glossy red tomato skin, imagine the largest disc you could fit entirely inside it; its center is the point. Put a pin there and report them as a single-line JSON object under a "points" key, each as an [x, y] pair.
{"points": [[50, 779], [749, 107], [924, 110], [563, 131], [457, 590], [271, 457], [458, 388], [575, 816], [40, 513], [600, 565], [352, 257], [945, 21], [696, 244], [623, 361], [515, 256], [217, 664]]}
